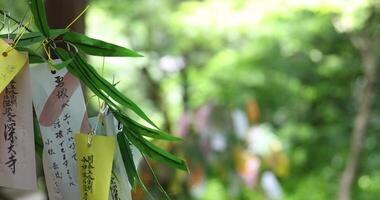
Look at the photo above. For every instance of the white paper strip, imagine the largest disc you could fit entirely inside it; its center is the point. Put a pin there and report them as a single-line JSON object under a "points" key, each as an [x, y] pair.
{"points": [[60, 107], [17, 157], [120, 189]]}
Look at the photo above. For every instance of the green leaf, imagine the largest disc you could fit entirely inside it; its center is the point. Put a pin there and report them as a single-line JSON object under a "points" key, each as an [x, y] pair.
{"points": [[155, 152], [108, 88], [97, 47], [129, 164], [78, 72], [38, 9], [57, 32], [126, 154], [28, 39], [143, 130], [33, 56], [39, 145], [121, 116], [96, 83], [61, 65]]}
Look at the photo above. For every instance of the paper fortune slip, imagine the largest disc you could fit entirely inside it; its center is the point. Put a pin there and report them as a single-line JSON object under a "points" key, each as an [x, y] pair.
{"points": [[94, 165], [120, 189], [61, 112], [17, 153], [11, 62]]}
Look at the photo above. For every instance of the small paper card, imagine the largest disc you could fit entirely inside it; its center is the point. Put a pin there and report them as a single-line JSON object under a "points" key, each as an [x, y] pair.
{"points": [[11, 62], [17, 157], [120, 188], [61, 110], [94, 165]]}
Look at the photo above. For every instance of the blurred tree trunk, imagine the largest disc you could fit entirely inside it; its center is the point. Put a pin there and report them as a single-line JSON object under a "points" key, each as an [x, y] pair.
{"points": [[62, 13], [366, 44], [154, 93], [185, 89]]}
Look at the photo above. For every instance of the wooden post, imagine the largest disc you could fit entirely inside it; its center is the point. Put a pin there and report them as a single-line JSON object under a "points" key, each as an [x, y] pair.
{"points": [[60, 13]]}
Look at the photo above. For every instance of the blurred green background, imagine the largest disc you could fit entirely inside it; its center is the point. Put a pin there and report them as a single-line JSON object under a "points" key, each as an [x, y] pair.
{"points": [[256, 88]]}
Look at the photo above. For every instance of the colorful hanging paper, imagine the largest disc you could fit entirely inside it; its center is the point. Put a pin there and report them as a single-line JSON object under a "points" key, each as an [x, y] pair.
{"points": [[95, 156], [61, 110], [119, 186], [11, 62], [17, 153], [120, 189]]}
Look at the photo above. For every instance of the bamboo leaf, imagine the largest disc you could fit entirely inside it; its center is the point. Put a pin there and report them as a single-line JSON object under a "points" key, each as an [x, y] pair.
{"points": [[38, 9], [143, 130], [28, 39], [78, 72], [33, 56], [79, 69], [121, 116], [109, 89], [155, 152], [127, 156], [39, 145], [97, 47], [61, 65]]}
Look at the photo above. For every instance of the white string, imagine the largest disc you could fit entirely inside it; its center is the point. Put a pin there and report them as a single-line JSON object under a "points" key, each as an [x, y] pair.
{"points": [[101, 114]]}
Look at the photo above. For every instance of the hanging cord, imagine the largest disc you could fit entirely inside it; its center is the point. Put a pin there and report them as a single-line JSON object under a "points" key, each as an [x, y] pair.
{"points": [[21, 23], [101, 114], [46, 41], [17, 38], [102, 76], [2, 12], [155, 178], [76, 18]]}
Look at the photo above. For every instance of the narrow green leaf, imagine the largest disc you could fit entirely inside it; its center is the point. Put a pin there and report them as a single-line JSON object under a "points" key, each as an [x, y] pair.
{"points": [[129, 164], [80, 70], [2, 12], [34, 37], [127, 156], [33, 56], [77, 71], [155, 152], [109, 89], [122, 117], [143, 130], [39, 145], [26, 39], [97, 47], [62, 64], [38, 9], [57, 32]]}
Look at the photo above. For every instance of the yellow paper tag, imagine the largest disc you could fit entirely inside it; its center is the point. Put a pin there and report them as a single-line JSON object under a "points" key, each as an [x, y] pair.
{"points": [[94, 165], [11, 63]]}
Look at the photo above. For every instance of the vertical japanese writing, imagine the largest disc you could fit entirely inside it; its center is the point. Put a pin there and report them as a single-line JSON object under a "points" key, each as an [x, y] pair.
{"points": [[61, 145], [62, 91], [114, 188], [87, 174], [9, 107]]}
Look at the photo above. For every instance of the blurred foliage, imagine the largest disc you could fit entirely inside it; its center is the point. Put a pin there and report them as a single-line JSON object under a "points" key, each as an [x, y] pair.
{"points": [[298, 62], [296, 59]]}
